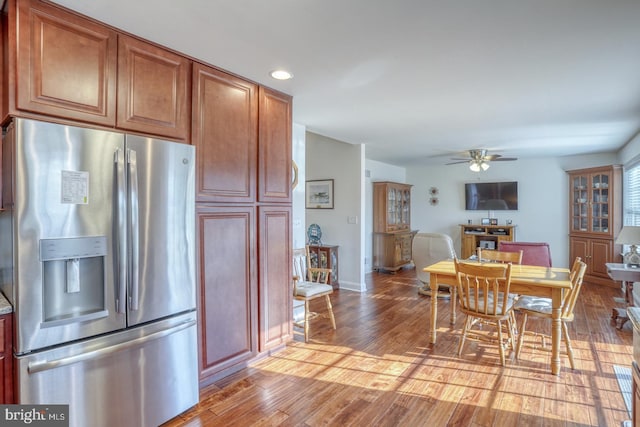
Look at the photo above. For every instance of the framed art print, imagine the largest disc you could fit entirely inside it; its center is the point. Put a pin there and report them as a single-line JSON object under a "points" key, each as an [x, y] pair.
{"points": [[319, 194]]}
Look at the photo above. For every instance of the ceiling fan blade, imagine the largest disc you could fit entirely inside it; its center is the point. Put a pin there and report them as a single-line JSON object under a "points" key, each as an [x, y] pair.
{"points": [[458, 162], [505, 159], [461, 158]]}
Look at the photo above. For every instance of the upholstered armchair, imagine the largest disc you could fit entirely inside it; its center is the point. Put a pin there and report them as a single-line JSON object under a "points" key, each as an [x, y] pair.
{"points": [[429, 248], [533, 253]]}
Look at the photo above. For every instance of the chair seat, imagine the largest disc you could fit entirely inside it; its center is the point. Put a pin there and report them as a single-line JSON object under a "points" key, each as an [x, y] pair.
{"points": [[535, 304], [310, 289], [490, 302]]}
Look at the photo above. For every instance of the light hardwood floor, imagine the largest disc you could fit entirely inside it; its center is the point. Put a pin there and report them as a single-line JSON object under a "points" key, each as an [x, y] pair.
{"points": [[379, 369]]}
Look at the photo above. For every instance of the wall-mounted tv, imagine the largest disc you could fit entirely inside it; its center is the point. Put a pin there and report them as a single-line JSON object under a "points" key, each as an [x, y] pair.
{"points": [[491, 196]]}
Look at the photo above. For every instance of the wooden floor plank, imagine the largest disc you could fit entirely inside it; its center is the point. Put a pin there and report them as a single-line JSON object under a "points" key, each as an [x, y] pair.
{"points": [[378, 368]]}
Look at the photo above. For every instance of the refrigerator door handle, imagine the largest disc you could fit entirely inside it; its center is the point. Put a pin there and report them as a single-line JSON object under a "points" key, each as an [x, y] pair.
{"points": [[46, 365], [120, 233], [133, 227]]}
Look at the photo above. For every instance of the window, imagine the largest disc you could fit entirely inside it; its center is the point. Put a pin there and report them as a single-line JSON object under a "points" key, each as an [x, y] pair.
{"points": [[632, 195]]}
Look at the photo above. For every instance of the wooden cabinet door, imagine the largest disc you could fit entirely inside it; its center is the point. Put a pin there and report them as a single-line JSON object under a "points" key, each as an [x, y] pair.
{"points": [[601, 252], [6, 359], [225, 133], [468, 247], [274, 147], [154, 88], [595, 253], [65, 65], [227, 296], [275, 277], [579, 247]]}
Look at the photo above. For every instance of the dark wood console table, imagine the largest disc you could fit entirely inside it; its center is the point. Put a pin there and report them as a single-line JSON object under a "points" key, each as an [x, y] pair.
{"points": [[627, 275]]}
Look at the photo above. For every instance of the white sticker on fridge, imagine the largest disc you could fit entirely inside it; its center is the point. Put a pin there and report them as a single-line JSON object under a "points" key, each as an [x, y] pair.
{"points": [[75, 187]]}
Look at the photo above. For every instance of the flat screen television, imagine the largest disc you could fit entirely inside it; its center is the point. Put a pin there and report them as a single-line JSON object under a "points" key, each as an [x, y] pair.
{"points": [[491, 196]]}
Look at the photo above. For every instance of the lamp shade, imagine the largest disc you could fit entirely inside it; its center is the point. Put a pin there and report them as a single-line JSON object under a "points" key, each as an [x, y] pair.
{"points": [[629, 235]]}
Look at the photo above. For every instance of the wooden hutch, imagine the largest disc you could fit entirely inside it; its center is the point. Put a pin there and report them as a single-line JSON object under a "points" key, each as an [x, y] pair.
{"points": [[595, 219], [392, 234]]}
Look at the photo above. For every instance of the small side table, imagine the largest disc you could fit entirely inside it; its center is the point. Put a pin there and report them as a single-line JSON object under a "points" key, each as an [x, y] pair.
{"points": [[326, 256], [627, 275]]}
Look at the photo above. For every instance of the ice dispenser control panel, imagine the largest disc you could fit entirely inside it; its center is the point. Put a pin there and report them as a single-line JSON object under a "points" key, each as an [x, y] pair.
{"points": [[72, 247]]}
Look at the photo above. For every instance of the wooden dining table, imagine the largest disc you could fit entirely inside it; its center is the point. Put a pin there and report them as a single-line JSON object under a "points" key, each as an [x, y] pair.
{"points": [[525, 280]]}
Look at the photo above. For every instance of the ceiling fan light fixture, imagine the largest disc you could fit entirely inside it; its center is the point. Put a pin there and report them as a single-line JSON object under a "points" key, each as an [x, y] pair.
{"points": [[478, 165]]}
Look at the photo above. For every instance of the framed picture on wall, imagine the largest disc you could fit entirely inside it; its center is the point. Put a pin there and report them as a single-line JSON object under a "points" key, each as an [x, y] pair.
{"points": [[485, 221], [319, 194], [494, 221]]}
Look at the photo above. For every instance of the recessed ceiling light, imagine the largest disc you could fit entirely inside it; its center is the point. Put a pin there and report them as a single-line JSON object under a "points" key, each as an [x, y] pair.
{"points": [[281, 75]]}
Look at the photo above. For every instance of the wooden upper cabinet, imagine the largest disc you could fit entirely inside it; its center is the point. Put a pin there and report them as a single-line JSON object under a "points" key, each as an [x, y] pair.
{"points": [[225, 133], [153, 89], [274, 147], [72, 67], [66, 65]]}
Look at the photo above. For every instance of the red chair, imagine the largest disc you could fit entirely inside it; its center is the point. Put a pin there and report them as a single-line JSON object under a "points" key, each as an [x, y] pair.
{"points": [[533, 253]]}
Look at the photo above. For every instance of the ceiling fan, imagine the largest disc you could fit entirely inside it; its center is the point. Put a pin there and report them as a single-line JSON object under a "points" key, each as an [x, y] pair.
{"points": [[479, 159]]}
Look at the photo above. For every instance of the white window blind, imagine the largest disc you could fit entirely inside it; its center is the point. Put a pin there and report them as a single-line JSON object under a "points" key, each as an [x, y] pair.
{"points": [[632, 195]]}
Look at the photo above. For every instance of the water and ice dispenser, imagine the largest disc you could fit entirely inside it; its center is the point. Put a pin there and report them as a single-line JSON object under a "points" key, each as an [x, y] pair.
{"points": [[73, 279]]}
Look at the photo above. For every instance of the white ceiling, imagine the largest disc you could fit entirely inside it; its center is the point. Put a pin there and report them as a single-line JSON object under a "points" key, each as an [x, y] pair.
{"points": [[419, 81]]}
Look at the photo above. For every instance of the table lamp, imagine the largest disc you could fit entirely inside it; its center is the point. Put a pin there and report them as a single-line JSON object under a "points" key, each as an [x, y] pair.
{"points": [[630, 235]]}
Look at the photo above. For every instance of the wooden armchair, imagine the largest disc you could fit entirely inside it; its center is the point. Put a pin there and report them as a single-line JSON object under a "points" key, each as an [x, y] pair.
{"points": [[310, 283]]}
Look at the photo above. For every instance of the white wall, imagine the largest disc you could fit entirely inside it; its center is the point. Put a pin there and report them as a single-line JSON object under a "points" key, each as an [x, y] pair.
{"points": [[298, 212], [630, 153], [543, 193], [376, 171], [328, 158]]}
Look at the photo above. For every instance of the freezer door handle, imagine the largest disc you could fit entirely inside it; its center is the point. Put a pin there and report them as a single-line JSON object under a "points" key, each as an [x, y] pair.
{"points": [[133, 229], [46, 365], [120, 233]]}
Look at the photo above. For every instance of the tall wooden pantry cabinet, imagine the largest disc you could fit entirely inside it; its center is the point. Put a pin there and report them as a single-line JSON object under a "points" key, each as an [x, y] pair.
{"points": [[242, 134], [595, 219], [392, 234]]}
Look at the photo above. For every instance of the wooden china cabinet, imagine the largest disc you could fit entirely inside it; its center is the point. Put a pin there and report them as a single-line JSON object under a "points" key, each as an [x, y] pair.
{"points": [[392, 234], [595, 219]]}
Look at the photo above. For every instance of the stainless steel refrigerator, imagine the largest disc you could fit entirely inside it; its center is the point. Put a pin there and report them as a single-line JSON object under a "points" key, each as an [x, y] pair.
{"points": [[97, 257]]}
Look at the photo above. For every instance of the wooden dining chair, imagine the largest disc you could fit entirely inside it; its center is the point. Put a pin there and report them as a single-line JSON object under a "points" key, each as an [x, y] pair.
{"points": [[499, 256], [310, 283], [541, 307], [483, 294]]}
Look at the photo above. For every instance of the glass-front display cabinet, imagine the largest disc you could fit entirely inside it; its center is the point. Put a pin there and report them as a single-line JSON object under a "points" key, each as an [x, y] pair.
{"points": [[595, 219], [591, 201]]}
